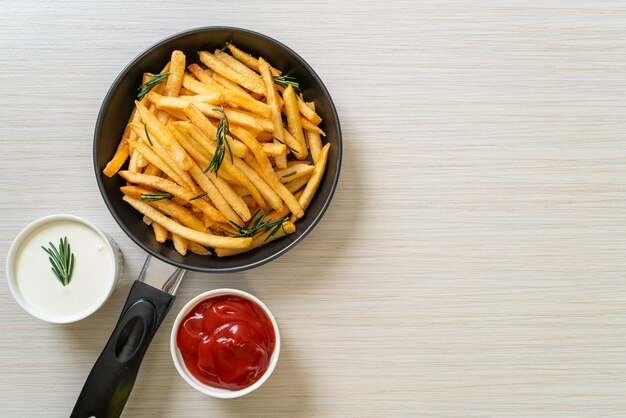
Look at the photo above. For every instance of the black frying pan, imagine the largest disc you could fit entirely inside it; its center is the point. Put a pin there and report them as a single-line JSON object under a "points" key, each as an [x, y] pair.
{"points": [[111, 380]]}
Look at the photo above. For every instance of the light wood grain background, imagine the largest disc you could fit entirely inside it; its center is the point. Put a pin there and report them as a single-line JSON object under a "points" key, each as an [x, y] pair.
{"points": [[472, 262]]}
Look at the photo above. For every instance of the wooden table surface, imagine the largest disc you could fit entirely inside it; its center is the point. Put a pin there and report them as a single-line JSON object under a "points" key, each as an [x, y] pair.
{"points": [[472, 262]]}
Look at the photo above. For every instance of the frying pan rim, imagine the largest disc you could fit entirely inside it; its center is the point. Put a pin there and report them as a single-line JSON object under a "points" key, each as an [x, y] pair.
{"points": [[244, 266]]}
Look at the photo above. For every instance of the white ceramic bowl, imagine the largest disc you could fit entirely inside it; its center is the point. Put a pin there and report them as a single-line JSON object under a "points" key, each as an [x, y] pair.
{"points": [[178, 358], [113, 252]]}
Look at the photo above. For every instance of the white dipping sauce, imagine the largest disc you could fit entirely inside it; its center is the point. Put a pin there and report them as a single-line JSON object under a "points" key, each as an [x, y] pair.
{"points": [[91, 280]]}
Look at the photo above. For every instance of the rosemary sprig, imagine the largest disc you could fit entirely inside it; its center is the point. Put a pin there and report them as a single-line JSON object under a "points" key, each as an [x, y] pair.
{"points": [[225, 47], [61, 260], [254, 226], [149, 85], [285, 80], [201, 195], [290, 148], [153, 197], [220, 137], [145, 128], [289, 174]]}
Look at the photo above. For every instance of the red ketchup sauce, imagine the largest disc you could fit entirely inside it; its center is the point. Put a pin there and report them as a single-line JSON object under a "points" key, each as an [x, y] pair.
{"points": [[226, 342]]}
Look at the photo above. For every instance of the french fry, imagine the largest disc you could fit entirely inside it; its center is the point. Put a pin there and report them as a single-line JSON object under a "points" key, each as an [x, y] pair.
{"points": [[203, 74], [177, 70], [201, 155], [233, 199], [241, 191], [272, 101], [214, 195], [183, 202], [183, 215], [244, 101], [219, 82], [204, 83], [157, 131], [196, 116], [153, 158], [316, 178], [180, 244], [123, 151], [264, 124], [259, 240], [294, 146], [267, 170], [313, 139], [229, 85], [162, 159], [294, 185], [174, 227], [159, 88], [219, 67], [293, 116], [118, 160], [175, 114], [293, 172], [162, 115], [308, 111], [308, 126], [250, 202], [224, 174], [238, 66], [142, 163], [208, 222], [268, 193], [274, 149], [237, 117], [220, 228], [248, 59], [186, 92], [160, 233], [293, 163], [282, 213], [159, 183], [132, 164], [152, 170], [167, 206], [147, 220], [265, 137], [179, 103], [196, 248]]}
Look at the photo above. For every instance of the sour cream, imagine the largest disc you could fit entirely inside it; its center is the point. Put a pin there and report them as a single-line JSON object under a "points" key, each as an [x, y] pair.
{"points": [[35, 287]]}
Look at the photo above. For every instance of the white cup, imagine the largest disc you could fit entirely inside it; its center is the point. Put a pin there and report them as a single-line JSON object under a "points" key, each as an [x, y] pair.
{"points": [[114, 256], [180, 363]]}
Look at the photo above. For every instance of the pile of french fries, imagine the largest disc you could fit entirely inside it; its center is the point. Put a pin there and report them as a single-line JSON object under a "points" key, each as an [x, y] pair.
{"points": [[222, 157]]}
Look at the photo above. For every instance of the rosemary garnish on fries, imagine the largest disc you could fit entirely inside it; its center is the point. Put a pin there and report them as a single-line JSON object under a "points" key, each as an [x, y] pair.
{"points": [[153, 197], [145, 128], [149, 85], [285, 80], [290, 148], [253, 227], [222, 142], [201, 195]]}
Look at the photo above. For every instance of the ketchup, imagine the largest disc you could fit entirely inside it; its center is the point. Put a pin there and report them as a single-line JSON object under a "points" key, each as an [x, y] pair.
{"points": [[226, 342]]}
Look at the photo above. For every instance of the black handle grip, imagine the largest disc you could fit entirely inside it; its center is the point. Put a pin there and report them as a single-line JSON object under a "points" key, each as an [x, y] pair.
{"points": [[112, 377]]}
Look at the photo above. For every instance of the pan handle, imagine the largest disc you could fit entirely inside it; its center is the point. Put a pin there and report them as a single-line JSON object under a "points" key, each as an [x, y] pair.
{"points": [[112, 377]]}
